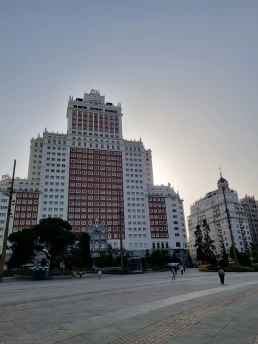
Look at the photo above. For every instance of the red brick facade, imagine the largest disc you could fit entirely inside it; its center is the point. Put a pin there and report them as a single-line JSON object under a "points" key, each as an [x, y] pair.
{"points": [[158, 217], [95, 189], [95, 121], [26, 210]]}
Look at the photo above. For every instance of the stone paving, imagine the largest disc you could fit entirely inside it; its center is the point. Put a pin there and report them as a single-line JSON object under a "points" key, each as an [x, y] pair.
{"points": [[173, 326], [146, 308]]}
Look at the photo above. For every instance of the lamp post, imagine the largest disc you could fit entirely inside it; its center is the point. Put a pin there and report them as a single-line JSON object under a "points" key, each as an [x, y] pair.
{"points": [[6, 232], [121, 225], [230, 227]]}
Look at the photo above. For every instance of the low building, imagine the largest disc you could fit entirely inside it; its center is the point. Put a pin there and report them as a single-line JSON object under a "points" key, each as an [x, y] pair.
{"points": [[25, 205]]}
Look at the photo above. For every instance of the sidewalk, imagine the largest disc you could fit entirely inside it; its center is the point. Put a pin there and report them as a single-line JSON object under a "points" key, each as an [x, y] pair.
{"points": [[225, 320], [136, 310], [236, 323]]}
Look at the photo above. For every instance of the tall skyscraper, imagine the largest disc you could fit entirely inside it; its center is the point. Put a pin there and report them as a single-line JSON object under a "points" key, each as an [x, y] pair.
{"points": [[91, 173]]}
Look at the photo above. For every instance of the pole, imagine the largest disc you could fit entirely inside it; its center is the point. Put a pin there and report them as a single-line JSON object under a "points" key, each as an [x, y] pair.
{"points": [[6, 232], [121, 241], [230, 228]]}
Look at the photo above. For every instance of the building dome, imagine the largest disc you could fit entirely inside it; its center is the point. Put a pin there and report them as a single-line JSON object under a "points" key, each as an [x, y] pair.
{"points": [[222, 183]]}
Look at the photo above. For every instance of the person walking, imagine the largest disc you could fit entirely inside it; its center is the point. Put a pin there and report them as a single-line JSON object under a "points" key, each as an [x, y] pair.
{"points": [[221, 274], [73, 274], [182, 269], [173, 274], [80, 273], [99, 274], [175, 269]]}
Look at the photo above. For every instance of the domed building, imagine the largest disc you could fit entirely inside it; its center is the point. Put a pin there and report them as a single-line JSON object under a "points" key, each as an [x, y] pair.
{"points": [[212, 208], [222, 183]]}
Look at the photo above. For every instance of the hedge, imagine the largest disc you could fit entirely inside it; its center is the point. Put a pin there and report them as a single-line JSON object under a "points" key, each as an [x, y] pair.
{"points": [[205, 267]]}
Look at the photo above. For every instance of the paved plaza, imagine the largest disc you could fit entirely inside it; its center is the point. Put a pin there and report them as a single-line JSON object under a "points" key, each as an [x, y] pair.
{"points": [[132, 309]]}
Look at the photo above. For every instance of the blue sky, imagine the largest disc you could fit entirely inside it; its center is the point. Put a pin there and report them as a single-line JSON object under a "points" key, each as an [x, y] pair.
{"points": [[184, 71]]}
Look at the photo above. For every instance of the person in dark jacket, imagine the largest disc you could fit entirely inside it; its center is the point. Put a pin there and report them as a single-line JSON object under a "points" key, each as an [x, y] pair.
{"points": [[173, 273], [221, 274]]}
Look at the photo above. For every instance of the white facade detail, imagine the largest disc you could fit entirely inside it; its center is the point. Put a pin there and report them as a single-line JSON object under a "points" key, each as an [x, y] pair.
{"points": [[25, 205], [212, 209], [167, 220], [87, 175]]}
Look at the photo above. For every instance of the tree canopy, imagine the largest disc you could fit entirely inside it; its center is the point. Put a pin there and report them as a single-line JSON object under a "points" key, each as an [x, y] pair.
{"points": [[54, 238], [205, 247], [199, 244], [157, 258]]}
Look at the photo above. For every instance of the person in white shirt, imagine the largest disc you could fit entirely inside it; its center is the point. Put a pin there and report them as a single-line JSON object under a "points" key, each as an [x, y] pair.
{"points": [[99, 274]]}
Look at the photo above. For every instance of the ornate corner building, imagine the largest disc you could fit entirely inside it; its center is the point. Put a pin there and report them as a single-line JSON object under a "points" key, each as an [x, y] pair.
{"points": [[212, 209], [89, 174]]}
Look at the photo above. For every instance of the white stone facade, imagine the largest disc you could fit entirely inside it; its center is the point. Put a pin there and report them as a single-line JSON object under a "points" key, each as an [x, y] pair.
{"points": [[25, 205], [167, 220], [212, 209], [251, 209], [88, 174]]}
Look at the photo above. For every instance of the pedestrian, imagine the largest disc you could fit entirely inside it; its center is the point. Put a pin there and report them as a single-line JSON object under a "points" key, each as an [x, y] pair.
{"points": [[175, 268], [73, 274], [99, 274], [173, 274], [182, 269], [80, 273], [221, 275]]}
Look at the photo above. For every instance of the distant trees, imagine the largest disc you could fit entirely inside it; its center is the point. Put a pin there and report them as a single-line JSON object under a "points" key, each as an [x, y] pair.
{"points": [[224, 257], [199, 244], [54, 238], [175, 259], [22, 246], [205, 248], [157, 258], [243, 258]]}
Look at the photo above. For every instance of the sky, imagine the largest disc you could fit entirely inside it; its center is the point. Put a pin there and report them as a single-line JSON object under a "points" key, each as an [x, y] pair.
{"points": [[185, 72]]}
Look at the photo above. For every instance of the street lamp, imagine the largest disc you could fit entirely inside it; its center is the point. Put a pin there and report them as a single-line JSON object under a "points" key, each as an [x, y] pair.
{"points": [[6, 232], [230, 227], [121, 226]]}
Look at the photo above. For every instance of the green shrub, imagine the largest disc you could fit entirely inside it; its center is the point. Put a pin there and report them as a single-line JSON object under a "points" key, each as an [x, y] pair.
{"points": [[234, 268], [9, 273], [205, 267], [24, 273]]}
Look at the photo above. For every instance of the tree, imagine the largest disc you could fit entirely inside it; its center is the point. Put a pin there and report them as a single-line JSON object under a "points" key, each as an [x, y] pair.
{"points": [[157, 258], [175, 259], [190, 260], [43, 262], [209, 247], [224, 261], [147, 257], [125, 261], [204, 244], [22, 246], [84, 247], [244, 259], [52, 236], [105, 260], [231, 253], [254, 251], [199, 244]]}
